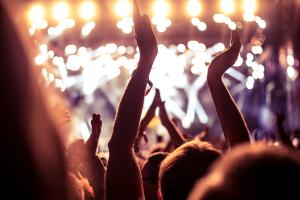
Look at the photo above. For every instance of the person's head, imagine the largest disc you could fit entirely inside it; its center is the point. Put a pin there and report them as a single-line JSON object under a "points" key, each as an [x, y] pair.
{"points": [[252, 172], [33, 164], [150, 174], [183, 167]]}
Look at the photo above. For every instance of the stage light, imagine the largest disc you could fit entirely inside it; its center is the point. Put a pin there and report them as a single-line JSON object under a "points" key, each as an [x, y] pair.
{"points": [[39, 60], [257, 49], [69, 23], [61, 11], [181, 48], [219, 18], [249, 6], [227, 6], [249, 17], [121, 50], [73, 63], [290, 60], [260, 22], [36, 13], [87, 28], [250, 83], [125, 24], [161, 8], [238, 62], [219, 47], [292, 73], [87, 10], [231, 25], [70, 49], [193, 8], [123, 8]]}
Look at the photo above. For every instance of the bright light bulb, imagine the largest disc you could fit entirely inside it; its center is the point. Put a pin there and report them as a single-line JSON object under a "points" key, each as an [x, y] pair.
{"points": [[292, 73], [87, 10], [123, 8], [61, 11], [193, 8], [227, 6], [249, 6], [161, 8], [36, 13]]}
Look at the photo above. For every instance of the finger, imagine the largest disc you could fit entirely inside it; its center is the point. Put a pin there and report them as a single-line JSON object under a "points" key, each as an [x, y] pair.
{"points": [[98, 117], [162, 106], [136, 12], [157, 92]]}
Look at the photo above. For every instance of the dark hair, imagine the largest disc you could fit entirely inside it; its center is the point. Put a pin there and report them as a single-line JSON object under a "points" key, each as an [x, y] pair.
{"points": [[252, 172], [150, 173], [183, 167]]}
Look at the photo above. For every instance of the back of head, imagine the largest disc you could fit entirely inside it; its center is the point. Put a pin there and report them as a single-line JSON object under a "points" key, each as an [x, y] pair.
{"points": [[150, 173], [33, 164], [183, 167], [252, 172]]}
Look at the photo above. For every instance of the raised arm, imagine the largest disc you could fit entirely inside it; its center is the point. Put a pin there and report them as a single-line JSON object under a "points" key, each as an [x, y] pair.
{"points": [[92, 168], [147, 119], [123, 174], [175, 134], [232, 122], [92, 142]]}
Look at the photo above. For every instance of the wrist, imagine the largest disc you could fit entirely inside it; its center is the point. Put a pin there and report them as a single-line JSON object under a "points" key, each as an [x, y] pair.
{"points": [[147, 57], [213, 78]]}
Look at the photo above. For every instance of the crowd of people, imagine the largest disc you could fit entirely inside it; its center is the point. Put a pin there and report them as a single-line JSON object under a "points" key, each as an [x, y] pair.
{"points": [[38, 165]]}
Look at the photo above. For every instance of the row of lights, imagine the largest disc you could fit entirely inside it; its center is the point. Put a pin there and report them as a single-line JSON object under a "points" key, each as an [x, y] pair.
{"points": [[123, 8], [88, 9]]}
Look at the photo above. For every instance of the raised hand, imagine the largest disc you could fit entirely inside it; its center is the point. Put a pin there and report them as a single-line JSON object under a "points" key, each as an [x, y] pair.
{"points": [[175, 134], [157, 98], [147, 119], [226, 59], [163, 113], [233, 124], [92, 142], [144, 35], [123, 175], [92, 167]]}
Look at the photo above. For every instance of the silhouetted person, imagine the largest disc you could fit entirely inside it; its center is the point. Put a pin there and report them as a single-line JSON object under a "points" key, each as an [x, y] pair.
{"points": [[252, 172]]}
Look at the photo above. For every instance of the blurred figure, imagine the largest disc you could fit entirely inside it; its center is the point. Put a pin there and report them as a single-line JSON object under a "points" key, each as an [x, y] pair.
{"points": [[183, 167], [33, 163], [150, 174], [252, 172]]}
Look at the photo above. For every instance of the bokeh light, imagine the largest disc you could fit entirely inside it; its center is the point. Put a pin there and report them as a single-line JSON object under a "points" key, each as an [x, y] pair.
{"points": [[36, 13], [123, 8], [87, 10], [193, 8], [227, 6], [61, 11], [249, 6], [161, 8]]}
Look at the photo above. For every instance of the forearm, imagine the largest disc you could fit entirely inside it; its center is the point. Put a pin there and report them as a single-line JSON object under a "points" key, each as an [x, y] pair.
{"points": [[130, 108], [123, 174], [232, 122], [143, 125], [123, 177], [174, 132], [92, 143]]}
